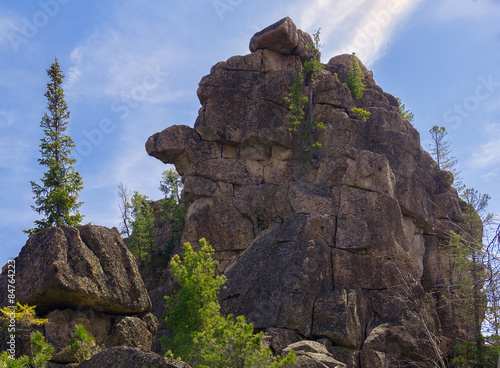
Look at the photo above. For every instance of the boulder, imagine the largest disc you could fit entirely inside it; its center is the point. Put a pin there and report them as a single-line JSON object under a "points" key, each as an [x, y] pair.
{"points": [[341, 317], [283, 37], [373, 359], [390, 339], [107, 330], [279, 338], [88, 267], [84, 276], [128, 357], [134, 331], [311, 354]]}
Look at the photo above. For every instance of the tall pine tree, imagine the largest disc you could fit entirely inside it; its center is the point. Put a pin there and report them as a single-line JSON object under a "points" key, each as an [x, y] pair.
{"points": [[441, 152], [56, 196]]}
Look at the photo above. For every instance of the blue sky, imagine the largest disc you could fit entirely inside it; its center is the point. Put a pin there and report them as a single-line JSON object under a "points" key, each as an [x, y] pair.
{"points": [[132, 69]]}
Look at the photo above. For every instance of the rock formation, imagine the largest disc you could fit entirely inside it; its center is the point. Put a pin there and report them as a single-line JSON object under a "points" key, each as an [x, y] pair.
{"points": [[127, 357], [312, 354], [345, 252], [83, 275]]}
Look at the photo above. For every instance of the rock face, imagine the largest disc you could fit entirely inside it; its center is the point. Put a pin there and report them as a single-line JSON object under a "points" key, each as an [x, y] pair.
{"points": [[347, 250], [127, 357], [87, 276]]}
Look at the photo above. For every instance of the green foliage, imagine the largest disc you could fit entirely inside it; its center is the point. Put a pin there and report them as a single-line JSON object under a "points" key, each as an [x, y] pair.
{"points": [[441, 152], [475, 215], [468, 356], [171, 184], [404, 113], [472, 268], [140, 219], [56, 197], [361, 114], [172, 210], [298, 102], [24, 315], [7, 362], [313, 65], [440, 149], [242, 348], [174, 213], [194, 306], [144, 240], [42, 350], [81, 343], [201, 336], [464, 264], [41, 354], [355, 78], [473, 289]]}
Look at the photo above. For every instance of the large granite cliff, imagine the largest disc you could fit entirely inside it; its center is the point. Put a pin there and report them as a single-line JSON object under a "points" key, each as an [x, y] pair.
{"points": [[346, 251]]}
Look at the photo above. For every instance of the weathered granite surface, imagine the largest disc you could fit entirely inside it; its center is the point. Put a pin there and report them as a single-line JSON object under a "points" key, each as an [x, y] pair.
{"points": [[347, 250]]}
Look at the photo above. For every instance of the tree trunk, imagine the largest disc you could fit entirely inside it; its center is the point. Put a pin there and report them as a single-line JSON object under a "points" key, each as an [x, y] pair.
{"points": [[477, 310]]}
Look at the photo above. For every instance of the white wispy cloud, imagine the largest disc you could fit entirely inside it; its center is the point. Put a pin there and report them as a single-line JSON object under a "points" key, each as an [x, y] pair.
{"points": [[487, 155], [134, 65], [124, 57], [490, 175], [362, 26], [492, 128]]}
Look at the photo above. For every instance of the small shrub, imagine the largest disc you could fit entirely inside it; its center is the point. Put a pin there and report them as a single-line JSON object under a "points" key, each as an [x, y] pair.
{"points": [[355, 78], [361, 114], [298, 102], [404, 113], [81, 343], [24, 315], [41, 354]]}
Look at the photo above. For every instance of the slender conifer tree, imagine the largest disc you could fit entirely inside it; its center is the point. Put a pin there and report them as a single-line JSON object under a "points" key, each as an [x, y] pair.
{"points": [[56, 196]]}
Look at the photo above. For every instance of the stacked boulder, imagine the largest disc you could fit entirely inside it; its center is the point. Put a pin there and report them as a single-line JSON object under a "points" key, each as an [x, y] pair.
{"points": [[84, 275]]}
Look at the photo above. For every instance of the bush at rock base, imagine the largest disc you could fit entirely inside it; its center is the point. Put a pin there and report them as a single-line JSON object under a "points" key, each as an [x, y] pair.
{"points": [[201, 336]]}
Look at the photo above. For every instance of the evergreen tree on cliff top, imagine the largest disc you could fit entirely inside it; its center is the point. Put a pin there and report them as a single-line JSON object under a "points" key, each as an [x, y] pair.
{"points": [[56, 196]]}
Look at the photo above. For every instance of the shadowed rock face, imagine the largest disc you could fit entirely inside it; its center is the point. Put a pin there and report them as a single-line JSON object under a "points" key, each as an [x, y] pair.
{"points": [[127, 357], [345, 251]]}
